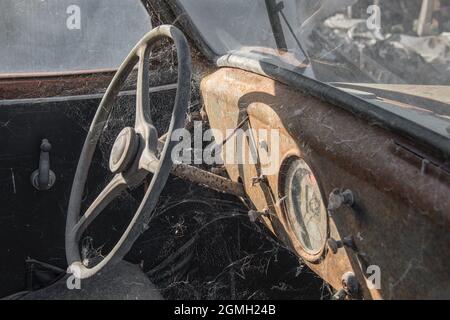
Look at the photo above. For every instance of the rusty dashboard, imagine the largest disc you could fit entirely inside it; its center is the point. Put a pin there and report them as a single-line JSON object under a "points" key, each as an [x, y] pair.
{"points": [[401, 207]]}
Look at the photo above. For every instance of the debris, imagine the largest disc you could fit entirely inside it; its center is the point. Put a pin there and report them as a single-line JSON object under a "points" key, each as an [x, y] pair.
{"points": [[391, 54]]}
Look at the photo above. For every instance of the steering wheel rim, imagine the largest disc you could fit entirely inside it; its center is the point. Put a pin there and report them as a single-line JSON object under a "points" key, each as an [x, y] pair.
{"points": [[134, 153]]}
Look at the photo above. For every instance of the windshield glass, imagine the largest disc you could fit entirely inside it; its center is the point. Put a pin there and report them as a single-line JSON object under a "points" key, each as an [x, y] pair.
{"points": [[39, 36], [397, 42]]}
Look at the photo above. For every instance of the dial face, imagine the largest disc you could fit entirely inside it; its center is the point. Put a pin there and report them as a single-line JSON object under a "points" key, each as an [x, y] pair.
{"points": [[305, 207]]}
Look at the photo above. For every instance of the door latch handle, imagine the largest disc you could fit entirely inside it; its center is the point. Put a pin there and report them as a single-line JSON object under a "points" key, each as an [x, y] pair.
{"points": [[43, 178]]}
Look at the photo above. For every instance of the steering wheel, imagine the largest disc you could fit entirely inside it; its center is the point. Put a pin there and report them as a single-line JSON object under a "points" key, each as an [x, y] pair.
{"points": [[134, 154]]}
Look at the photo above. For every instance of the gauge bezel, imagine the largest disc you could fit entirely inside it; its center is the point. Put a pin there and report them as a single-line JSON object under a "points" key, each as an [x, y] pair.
{"points": [[287, 172]]}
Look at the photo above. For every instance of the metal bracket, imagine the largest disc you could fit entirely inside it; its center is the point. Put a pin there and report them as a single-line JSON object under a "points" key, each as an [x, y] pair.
{"points": [[43, 178]]}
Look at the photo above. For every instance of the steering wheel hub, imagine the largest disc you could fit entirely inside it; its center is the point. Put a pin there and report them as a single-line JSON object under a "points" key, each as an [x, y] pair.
{"points": [[124, 150]]}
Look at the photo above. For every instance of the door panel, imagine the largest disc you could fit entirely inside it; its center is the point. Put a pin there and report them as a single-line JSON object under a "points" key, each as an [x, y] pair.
{"points": [[32, 221]]}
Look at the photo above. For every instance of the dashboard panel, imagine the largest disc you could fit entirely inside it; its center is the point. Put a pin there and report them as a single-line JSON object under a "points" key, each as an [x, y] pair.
{"points": [[400, 208]]}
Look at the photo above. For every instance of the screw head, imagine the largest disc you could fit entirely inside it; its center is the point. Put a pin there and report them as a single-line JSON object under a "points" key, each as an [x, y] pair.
{"points": [[350, 284], [332, 245], [337, 198]]}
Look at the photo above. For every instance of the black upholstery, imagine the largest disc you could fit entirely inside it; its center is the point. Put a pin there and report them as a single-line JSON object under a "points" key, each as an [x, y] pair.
{"points": [[124, 281]]}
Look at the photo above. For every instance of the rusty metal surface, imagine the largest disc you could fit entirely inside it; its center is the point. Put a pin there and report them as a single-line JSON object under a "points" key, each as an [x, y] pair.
{"points": [[58, 84], [401, 215], [54, 85], [208, 179]]}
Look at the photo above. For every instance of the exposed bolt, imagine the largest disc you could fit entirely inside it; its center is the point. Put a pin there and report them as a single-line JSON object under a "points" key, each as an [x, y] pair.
{"points": [[261, 178], [337, 198], [350, 288], [340, 295], [333, 245], [349, 242], [350, 285]]}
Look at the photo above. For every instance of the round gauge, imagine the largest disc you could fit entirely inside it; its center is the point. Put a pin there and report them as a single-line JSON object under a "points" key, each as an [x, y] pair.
{"points": [[306, 212]]}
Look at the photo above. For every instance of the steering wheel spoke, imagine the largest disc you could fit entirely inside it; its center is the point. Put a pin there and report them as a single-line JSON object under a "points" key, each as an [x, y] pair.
{"points": [[112, 190], [149, 161], [143, 116], [143, 122]]}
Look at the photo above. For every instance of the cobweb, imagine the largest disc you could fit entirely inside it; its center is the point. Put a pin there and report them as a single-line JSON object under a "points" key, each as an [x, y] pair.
{"points": [[200, 244]]}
